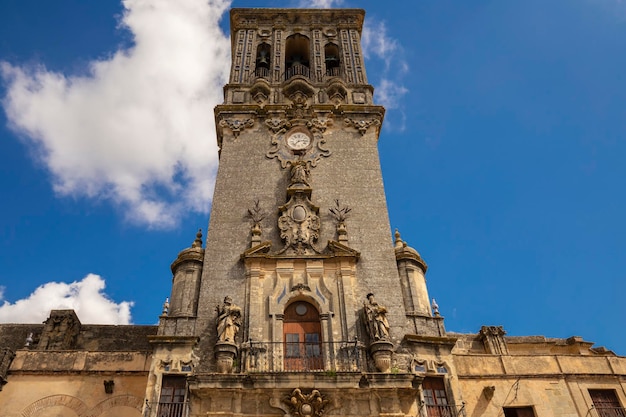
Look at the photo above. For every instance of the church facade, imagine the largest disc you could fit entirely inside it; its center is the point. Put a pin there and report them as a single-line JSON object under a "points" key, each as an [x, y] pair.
{"points": [[299, 302]]}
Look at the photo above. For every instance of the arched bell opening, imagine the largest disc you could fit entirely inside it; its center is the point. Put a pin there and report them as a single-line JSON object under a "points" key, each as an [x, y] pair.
{"points": [[263, 60], [332, 60], [297, 56], [302, 337]]}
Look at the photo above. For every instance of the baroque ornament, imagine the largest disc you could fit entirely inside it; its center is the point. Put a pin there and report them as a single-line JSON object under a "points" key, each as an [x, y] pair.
{"points": [[361, 124], [237, 125], [286, 155], [299, 225], [305, 405]]}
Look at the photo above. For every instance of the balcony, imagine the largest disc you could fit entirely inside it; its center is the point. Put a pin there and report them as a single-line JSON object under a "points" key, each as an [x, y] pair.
{"points": [[302, 357], [172, 409], [444, 411], [610, 411], [297, 69], [262, 72], [333, 72]]}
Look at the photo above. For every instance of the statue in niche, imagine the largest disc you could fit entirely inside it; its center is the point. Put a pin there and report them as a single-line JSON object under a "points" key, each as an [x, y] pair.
{"points": [[300, 173], [228, 321], [376, 315]]}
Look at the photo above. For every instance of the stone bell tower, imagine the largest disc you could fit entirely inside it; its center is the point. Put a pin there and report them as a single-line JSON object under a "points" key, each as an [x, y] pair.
{"points": [[301, 284]]}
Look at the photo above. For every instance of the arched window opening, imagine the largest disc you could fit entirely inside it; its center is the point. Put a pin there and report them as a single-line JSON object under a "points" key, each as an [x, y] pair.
{"points": [[302, 335], [297, 56], [263, 57], [331, 59]]}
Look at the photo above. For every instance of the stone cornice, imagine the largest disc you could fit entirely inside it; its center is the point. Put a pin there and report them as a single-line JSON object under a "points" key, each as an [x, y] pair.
{"points": [[171, 339], [434, 340], [253, 18]]}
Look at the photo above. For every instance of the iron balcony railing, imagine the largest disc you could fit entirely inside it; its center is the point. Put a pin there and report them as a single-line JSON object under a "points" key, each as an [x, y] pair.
{"points": [[444, 411], [302, 357], [262, 72], [165, 409], [610, 411], [333, 72], [297, 69]]}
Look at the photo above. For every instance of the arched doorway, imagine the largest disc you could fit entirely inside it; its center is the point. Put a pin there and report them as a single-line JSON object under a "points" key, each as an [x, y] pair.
{"points": [[302, 336]]}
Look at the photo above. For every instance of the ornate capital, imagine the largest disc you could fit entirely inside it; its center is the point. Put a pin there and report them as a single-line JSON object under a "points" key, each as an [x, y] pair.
{"points": [[361, 124], [277, 124], [237, 125]]}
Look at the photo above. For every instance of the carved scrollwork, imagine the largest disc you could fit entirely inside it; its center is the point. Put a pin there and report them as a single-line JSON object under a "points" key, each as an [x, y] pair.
{"points": [[299, 225], [305, 405], [237, 125], [277, 124], [319, 124], [361, 124], [287, 157]]}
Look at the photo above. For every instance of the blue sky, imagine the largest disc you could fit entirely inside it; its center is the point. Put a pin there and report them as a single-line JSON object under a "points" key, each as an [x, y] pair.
{"points": [[502, 154]]}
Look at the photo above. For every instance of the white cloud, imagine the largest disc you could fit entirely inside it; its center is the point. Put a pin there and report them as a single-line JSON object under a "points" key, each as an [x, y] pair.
{"points": [[138, 129], [379, 46], [86, 297], [319, 4], [389, 93]]}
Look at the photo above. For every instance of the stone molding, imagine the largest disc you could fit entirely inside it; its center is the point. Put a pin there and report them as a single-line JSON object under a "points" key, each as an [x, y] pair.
{"points": [[79, 407]]}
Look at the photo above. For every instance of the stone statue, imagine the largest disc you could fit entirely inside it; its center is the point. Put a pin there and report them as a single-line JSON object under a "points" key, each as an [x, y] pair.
{"points": [[300, 173], [228, 321], [376, 315]]}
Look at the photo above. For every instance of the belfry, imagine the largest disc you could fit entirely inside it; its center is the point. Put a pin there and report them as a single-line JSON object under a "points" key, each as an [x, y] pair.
{"points": [[299, 239]]}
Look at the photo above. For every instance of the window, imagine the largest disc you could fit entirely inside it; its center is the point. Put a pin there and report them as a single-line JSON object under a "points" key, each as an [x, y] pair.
{"points": [[172, 400], [606, 403], [302, 337], [519, 412], [435, 398]]}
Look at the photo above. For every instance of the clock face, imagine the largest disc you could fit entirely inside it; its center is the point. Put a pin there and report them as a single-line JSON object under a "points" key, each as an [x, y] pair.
{"points": [[298, 141]]}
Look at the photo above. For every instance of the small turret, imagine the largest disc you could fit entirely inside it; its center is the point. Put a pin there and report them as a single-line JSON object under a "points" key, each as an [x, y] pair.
{"points": [[187, 272], [412, 270]]}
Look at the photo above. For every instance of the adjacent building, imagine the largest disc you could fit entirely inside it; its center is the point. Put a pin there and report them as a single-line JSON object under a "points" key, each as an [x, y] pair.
{"points": [[300, 302]]}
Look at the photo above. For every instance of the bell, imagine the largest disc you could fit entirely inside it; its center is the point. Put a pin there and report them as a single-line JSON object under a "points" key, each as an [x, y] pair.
{"points": [[263, 58]]}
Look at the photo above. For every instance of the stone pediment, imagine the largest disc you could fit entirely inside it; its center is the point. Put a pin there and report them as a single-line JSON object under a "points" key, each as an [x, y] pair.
{"points": [[339, 249], [262, 249]]}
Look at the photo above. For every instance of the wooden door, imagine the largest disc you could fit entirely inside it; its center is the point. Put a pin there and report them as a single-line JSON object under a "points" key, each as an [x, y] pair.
{"points": [[302, 337]]}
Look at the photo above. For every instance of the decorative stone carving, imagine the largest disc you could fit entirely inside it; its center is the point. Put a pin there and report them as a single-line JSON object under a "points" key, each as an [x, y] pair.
{"points": [[228, 320], [228, 323], [6, 357], [302, 405], [299, 222], [361, 124], [277, 124], [237, 125], [256, 214], [493, 340], [300, 174], [381, 351], [340, 215], [319, 124], [299, 225], [60, 331], [376, 317], [287, 156]]}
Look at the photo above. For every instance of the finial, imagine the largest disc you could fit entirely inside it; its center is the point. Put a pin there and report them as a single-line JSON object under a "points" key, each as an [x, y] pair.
{"points": [[198, 242], [29, 340], [398, 242], [435, 308], [166, 306]]}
